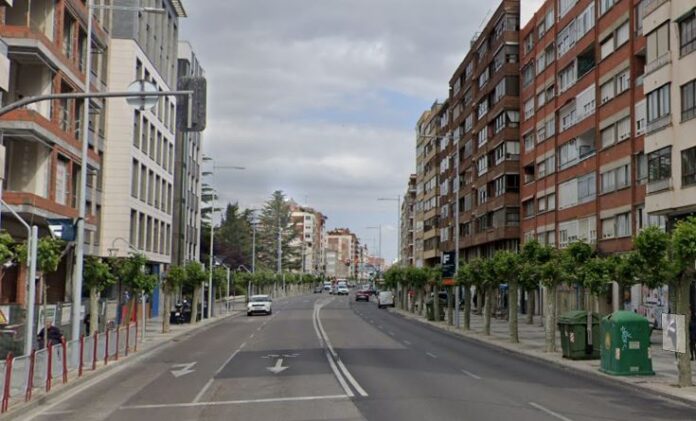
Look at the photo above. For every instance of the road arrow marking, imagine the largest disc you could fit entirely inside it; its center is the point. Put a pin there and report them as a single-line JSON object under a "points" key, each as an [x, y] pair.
{"points": [[184, 369], [278, 367]]}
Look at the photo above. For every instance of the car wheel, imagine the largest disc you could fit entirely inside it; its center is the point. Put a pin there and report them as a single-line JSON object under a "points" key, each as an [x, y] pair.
{"points": [[248, 314], [270, 312]]}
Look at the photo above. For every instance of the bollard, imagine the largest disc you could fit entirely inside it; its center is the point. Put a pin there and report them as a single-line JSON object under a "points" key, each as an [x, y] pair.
{"points": [[118, 333], [65, 359], [94, 351], [30, 378], [106, 348], [8, 383], [49, 367], [82, 356]]}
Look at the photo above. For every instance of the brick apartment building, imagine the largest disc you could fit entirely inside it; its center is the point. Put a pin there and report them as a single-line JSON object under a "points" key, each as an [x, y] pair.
{"points": [[47, 51], [344, 244], [407, 222], [310, 225]]}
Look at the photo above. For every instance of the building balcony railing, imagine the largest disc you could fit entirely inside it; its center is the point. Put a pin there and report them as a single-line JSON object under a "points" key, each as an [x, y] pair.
{"points": [[659, 185], [659, 62], [652, 5], [659, 123]]}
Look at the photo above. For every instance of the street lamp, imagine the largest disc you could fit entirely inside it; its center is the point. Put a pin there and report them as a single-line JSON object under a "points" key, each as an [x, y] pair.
{"points": [[82, 208], [379, 250], [396, 199], [212, 226]]}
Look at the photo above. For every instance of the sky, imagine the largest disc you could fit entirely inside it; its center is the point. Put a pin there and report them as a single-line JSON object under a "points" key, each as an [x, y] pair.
{"points": [[319, 98]]}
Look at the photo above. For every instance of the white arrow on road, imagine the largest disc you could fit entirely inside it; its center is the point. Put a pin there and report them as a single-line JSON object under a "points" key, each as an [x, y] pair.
{"points": [[183, 369], [278, 367]]}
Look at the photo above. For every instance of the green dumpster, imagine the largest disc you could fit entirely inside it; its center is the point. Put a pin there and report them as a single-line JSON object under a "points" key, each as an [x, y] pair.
{"points": [[430, 311], [573, 328], [626, 345]]}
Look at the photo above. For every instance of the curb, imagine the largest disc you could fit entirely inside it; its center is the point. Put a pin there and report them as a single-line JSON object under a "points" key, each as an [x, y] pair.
{"points": [[24, 408], [613, 380]]}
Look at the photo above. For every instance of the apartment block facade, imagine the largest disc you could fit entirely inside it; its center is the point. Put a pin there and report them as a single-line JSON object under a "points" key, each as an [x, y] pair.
{"points": [[344, 244], [45, 51], [407, 221], [310, 225], [186, 218]]}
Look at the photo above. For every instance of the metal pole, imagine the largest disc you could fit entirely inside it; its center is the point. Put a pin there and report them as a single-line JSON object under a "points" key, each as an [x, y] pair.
{"points": [[456, 236], [32, 241], [142, 299], [210, 275], [228, 290], [381, 262], [253, 248], [280, 249], [82, 208], [398, 229]]}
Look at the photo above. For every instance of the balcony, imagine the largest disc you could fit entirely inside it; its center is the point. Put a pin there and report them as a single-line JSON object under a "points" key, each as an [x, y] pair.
{"points": [[652, 5], [659, 185], [659, 123], [659, 62]]}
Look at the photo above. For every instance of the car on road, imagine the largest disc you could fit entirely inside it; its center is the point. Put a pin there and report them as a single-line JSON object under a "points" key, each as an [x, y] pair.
{"points": [[259, 304], [342, 290], [318, 289], [362, 295], [385, 299]]}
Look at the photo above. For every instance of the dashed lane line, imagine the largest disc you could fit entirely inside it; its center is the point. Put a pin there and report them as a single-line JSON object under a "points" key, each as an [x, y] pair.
{"points": [[431, 355], [237, 402], [470, 374], [549, 412]]}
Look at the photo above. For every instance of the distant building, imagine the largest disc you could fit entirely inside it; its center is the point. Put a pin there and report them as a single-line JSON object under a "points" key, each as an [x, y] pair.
{"points": [[407, 222], [346, 246], [310, 225]]}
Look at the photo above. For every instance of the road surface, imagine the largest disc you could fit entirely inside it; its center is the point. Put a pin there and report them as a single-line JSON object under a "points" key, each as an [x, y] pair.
{"points": [[320, 357]]}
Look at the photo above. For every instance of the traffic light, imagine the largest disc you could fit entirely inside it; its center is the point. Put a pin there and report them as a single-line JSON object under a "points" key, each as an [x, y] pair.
{"points": [[191, 109]]}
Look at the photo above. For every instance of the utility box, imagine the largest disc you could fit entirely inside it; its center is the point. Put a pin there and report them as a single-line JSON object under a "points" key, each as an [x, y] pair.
{"points": [[573, 328], [626, 345]]}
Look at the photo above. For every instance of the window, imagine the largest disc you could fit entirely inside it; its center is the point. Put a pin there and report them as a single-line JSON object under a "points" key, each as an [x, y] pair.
{"points": [[499, 91], [62, 182], [616, 178], [641, 167], [687, 34], [660, 164], [623, 128], [528, 43], [567, 77], [587, 188], [623, 80], [564, 7], [585, 103], [547, 166], [688, 101], [658, 103], [541, 99], [529, 108], [567, 117], [688, 158], [482, 195], [608, 181], [527, 74], [623, 225], [483, 77], [608, 228], [551, 201], [608, 136], [529, 141], [606, 91], [482, 136], [468, 123], [482, 108], [607, 47], [528, 208], [482, 165], [622, 34], [605, 5], [658, 45], [640, 112]]}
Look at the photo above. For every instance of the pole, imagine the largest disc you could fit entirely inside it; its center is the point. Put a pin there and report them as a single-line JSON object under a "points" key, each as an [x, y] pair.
{"points": [[280, 249], [228, 289], [210, 274], [456, 236], [82, 211], [32, 240], [380, 247], [142, 316], [253, 248], [398, 229]]}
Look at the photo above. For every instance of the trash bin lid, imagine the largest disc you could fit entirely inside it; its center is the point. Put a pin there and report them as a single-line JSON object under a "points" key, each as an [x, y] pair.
{"points": [[623, 316], [577, 317]]}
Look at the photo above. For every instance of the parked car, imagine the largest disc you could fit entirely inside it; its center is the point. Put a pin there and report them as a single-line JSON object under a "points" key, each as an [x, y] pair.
{"points": [[342, 290], [318, 289], [385, 299], [259, 304], [362, 295]]}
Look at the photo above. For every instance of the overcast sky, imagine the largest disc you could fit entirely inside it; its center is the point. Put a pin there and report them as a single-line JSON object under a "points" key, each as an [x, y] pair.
{"points": [[319, 98]]}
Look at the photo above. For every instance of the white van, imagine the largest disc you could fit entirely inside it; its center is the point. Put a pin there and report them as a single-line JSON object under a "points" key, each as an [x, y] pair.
{"points": [[385, 299]]}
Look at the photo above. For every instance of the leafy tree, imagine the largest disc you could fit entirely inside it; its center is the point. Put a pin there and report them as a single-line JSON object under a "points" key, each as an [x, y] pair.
{"points": [[195, 276], [530, 274], [466, 277], [276, 217], [506, 267], [418, 279], [97, 277], [131, 271], [172, 281], [233, 238], [434, 276], [625, 272], [550, 262], [489, 283]]}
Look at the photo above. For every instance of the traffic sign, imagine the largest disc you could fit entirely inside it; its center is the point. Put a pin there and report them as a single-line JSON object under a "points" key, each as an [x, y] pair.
{"points": [[142, 102]]}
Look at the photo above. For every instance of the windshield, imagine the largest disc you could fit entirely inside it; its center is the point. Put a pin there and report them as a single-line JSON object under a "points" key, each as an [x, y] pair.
{"points": [[260, 299]]}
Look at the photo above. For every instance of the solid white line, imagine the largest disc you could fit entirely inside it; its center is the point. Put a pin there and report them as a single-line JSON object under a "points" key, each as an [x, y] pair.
{"points": [[407, 342], [351, 379], [470, 374], [391, 333], [339, 376], [550, 412], [227, 361], [238, 402], [242, 345], [431, 355], [205, 389]]}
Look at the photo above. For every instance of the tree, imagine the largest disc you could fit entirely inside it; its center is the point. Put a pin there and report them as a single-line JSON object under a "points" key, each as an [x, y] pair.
{"points": [[195, 276], [131, 271], [466, 277], [173, 280], [530, 274], [434, 275], [625, 272], [97, 277], [549, 261], [276, 217], [506, 267], [418, 279], [489, 284], [233, 238]]}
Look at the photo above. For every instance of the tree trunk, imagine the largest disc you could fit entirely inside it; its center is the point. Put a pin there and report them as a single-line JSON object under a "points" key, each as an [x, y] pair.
{"points": [[682, 300], [588, 321], [480, 300], [550, 319], [421, 301], [194, 304], [450, 307], [93, 311], [412, 304], [512, 312], [167, 306], [530, 306], [487, 310], [436, 303], [467, 308], [622, 290]]}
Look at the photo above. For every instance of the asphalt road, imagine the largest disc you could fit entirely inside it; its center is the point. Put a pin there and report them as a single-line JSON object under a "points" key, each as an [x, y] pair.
{"points": [[321, 357]]}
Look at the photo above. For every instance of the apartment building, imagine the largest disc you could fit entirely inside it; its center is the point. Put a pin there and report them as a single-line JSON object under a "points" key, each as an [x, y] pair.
{"points": [[484, 122], [407, 222], [310, 224], [345, 245], [669, 85], [426, 216], [44, 50], [140, 153], [186, 218]]}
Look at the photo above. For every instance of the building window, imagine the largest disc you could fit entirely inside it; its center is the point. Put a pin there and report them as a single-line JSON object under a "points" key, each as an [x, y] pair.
{"points": [[567, 77], [660, 164], [605, 5], [607, 47], [658, 46], [564, 7], [622, 34], [687, 34], [688, 101], [688, 157], [658, 103], [640, 115], [528, 208], [606, 91], [623, 225], [608, 136], [623, 81], [482, 195], [623, 128], [527, 74], [641, 167], [529, 108]]}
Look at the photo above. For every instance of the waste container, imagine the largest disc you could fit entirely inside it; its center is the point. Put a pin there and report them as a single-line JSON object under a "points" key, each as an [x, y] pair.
{"points": [[430, 311], [573, 328], [626, 345]]}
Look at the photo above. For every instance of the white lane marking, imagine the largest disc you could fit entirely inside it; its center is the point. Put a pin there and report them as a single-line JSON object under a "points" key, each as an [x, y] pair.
{"points": [[431, 355], [259, 328], [550, 412], [391, 333], [252, 335], [339, 376], [470, 374], [407, 342], [242, 345], [324, 338], [203, 390], [68, 411], [238, 402]]}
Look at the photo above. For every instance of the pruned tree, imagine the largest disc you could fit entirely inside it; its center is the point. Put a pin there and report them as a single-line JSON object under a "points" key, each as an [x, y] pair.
{"points": [[195, 276], [171, 282], [97, 277], [506, 267]]}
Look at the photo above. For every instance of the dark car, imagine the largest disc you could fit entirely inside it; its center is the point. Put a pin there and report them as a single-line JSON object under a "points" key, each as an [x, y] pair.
{"points": [[318, 289], [362, 295]]}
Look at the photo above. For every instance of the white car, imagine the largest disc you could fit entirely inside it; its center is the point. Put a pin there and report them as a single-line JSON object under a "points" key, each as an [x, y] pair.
{"points": [[259, 304], [385, 299], [342, 290]]}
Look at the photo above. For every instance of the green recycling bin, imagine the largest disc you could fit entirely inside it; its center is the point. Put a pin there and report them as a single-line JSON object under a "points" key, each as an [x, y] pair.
{"points": [[626, 345], [430, 311], [573, 328]]}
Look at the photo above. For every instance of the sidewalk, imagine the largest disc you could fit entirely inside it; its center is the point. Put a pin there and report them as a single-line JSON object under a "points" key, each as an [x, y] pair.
{"points": [[532, 345], [153, 339]]}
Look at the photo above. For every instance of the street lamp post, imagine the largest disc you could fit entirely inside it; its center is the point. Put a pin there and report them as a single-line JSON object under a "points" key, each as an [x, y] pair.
{"points": [[396, 199], [379, 249]]}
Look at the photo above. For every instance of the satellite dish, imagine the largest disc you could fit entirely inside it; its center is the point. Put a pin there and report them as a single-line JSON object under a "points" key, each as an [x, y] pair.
{"points": [[142, 102]]}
